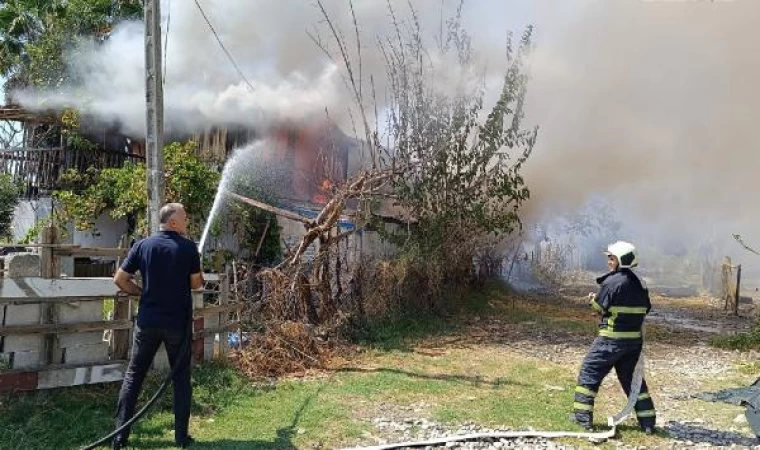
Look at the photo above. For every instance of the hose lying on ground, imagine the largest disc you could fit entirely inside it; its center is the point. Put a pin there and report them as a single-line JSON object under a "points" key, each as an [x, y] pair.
{"points": [[612, 422], [156, 396], [596, 437]]}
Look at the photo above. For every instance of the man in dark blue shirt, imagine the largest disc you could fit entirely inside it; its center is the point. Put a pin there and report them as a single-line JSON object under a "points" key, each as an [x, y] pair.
{"points": [[170, 268]]}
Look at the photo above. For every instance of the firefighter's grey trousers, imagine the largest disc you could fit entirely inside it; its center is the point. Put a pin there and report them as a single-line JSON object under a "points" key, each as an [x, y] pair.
{"points": [[604, 354]]}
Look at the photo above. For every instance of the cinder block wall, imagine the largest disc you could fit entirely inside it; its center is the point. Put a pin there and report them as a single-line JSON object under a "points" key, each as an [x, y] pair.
{"points": [[23, 351]]}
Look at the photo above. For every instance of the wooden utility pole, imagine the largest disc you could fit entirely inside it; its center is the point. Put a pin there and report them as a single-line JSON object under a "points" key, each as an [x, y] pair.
{"points": [[738, 294], [50, 267], [154, 145]]}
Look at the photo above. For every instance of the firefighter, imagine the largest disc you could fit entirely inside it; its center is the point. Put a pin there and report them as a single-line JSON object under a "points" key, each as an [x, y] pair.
{"points": [[622, 303]]}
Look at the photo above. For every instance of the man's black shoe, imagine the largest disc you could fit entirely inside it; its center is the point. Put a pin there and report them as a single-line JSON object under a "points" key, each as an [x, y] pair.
{"points": [[185, 443], [649, 431], [118, 444]]}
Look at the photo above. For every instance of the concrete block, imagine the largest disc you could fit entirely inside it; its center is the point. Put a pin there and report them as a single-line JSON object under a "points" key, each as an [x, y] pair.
{"points": [[57, 287], [22, 315], [22, 265], [28, 360], [79, 339], [85, 354], [22, 343], [222, 344], [208, 347], [82, 375], [197, 300], [80, 312], [211, 321]]}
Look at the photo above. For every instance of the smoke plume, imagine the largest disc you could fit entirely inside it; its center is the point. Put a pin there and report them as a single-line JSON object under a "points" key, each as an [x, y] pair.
{"points": [[285, 73], [651, 104], [648, 104]]}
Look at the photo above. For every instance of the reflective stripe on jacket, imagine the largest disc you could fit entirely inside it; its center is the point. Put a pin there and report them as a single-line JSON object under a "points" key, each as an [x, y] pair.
{"points": [[623, 302]]}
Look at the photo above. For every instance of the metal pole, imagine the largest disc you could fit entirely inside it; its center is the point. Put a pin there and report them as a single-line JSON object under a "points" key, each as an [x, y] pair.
{"points": [[154, 146]]}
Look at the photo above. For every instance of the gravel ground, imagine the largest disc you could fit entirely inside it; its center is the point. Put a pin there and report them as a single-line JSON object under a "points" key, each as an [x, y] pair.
{"points": [[419, 429], [683, 435], [676, 367]]}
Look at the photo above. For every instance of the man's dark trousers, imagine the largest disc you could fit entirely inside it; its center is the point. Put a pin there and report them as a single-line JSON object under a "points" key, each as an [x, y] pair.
{"points": [[146, 344]]}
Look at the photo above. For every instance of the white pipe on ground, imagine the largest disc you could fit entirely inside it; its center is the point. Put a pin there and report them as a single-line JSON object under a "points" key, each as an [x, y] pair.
{"points": [[612, 422], [596, 437]]}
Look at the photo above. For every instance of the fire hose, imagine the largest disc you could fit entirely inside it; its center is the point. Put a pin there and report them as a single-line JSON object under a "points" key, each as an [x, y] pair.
{"points": [[612, 422], [161, 389]]}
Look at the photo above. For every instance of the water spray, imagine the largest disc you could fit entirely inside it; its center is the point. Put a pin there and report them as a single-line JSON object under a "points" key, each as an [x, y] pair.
{"points": [[214, 209], [228, 174], [221, 191]]}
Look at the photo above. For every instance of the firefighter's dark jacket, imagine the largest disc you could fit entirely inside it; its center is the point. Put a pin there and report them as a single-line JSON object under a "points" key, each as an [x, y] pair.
{"points": [[623, 302]]}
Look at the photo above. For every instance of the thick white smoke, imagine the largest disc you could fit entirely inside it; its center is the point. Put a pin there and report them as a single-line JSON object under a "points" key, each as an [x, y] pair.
{"points": [[272, 41], [650, 104], [653, 105]]}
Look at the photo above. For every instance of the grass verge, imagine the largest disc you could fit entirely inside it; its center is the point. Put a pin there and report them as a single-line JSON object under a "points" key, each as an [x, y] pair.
{"points": [[449, 380], [749, 340]]}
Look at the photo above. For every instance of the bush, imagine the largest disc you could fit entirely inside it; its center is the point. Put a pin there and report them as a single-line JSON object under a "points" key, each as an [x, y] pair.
{"points": [[8, 201], [749, 340], [122, 191]]}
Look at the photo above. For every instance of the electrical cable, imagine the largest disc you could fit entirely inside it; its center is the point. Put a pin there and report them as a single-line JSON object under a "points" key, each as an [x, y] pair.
{"points": [[221, 44]]}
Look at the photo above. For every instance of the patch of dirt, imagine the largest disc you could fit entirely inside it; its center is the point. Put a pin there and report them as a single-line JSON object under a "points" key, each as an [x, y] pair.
{"points": [[679, 362]]}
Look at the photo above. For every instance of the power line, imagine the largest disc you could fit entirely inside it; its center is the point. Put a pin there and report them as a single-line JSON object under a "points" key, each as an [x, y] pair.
{"points": [[229, 55], [166, 39]]}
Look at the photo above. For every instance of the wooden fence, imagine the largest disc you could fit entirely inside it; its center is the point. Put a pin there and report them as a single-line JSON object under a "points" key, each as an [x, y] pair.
{"points": [[39, 170], [731, 278], [55, 331]]}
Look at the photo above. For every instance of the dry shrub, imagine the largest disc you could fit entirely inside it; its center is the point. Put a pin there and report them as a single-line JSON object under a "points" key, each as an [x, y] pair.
{"points": [[286, 296], [408, 284], [553, 269], [283, 348]]}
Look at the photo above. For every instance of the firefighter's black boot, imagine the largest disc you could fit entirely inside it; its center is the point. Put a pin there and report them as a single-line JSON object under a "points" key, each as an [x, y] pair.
{"points": [[584, 422]]}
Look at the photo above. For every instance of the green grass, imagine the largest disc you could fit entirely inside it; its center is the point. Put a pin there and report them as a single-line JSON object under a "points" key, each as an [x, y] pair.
{"points": [[414, 365], [401, 333], [744, 341], [751, 368], [229, 412], [494, 300], [516, 403]]}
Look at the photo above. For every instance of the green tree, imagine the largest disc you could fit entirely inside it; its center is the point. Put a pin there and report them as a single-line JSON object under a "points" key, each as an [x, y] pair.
{"points": [[35, 33], [8, 201], [454, 163], [122, 191], [252, 223], [464, 179]]}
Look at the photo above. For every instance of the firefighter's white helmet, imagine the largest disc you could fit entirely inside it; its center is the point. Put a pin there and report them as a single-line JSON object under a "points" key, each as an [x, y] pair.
{"points": [[625, 253]]}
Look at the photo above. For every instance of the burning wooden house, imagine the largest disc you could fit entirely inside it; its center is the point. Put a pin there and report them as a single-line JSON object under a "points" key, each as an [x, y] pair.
{"points": [[36, 150]]}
